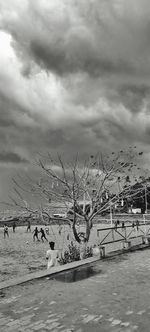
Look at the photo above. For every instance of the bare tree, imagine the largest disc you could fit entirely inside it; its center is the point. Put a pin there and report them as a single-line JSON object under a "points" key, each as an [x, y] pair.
{"points": [[88, 188]]}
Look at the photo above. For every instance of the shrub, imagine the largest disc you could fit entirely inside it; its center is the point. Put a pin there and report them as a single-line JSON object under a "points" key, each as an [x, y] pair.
{"points": [[73, 254]]}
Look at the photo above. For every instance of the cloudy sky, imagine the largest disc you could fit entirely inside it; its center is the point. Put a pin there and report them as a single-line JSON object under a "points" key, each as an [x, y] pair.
{"points": [[74, 76]]}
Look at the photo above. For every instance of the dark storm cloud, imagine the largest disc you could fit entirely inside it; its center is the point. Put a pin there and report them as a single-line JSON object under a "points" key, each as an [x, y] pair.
{"points": [[57, 61], [134, 96], [100, 37], [9, 111], [6, 119], [11, 157], [74, 76]]}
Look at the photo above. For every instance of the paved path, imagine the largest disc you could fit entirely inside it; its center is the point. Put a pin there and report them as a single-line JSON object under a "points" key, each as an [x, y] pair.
{"points": [[115, 298]]}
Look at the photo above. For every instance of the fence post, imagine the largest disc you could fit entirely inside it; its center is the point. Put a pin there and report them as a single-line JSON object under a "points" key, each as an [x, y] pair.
{"points": [[113, 234]]}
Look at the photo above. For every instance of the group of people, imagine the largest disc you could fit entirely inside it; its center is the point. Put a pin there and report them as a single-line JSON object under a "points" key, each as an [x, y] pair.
{"points": [[51, 254], [6, 229], [42, 232], [122, 224], [35, 232]]}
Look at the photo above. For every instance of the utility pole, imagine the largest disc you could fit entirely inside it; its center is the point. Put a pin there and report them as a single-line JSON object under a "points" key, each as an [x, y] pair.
{"points": [[144, 224], [145, 199]]}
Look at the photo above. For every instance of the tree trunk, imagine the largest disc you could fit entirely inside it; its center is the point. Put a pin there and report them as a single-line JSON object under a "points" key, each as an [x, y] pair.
{"points": [[83, 246], [77, 238], [87, 230], [88, 226], [75, 233]]}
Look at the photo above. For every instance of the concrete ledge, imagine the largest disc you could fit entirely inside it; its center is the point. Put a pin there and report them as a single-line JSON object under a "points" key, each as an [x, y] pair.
{"points": [[127, 250], [47, 273]]}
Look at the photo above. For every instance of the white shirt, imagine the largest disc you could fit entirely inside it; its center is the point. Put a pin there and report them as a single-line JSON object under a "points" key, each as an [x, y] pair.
{"points": [[52, 256]]}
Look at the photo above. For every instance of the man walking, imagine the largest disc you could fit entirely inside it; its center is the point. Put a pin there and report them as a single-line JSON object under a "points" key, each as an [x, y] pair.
{"points": [[29, 226], [43, 236], [35, 234], [14, 227]]}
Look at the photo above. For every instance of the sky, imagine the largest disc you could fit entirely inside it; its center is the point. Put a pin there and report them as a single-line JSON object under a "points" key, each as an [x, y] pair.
{"points": [[74, 77]]}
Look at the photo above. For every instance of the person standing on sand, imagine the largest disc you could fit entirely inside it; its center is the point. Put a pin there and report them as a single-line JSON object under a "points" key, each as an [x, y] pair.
{"points": [[14, 227], [43, 236], [35, 234], [29, 226], [47, 230], [52, 256], [6, 231]]}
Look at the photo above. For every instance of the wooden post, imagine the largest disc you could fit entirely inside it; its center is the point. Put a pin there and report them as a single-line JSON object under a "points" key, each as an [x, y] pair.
{"points": [[111, 219], [145, 199], [144, 224]]}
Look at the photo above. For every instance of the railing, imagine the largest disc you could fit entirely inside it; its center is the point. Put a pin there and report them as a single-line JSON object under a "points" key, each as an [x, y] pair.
{"points": [[124, 234], [123, 217]]}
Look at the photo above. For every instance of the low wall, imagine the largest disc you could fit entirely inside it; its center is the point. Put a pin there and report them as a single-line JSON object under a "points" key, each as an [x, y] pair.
{"points": [[63, 268]]}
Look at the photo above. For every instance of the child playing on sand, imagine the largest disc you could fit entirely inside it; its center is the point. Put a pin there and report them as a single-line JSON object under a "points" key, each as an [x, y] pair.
{"points": [[6, 231]]}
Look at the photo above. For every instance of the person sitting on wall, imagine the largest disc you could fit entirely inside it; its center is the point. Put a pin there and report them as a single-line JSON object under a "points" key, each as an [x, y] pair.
{"points": [[95, 251]]}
